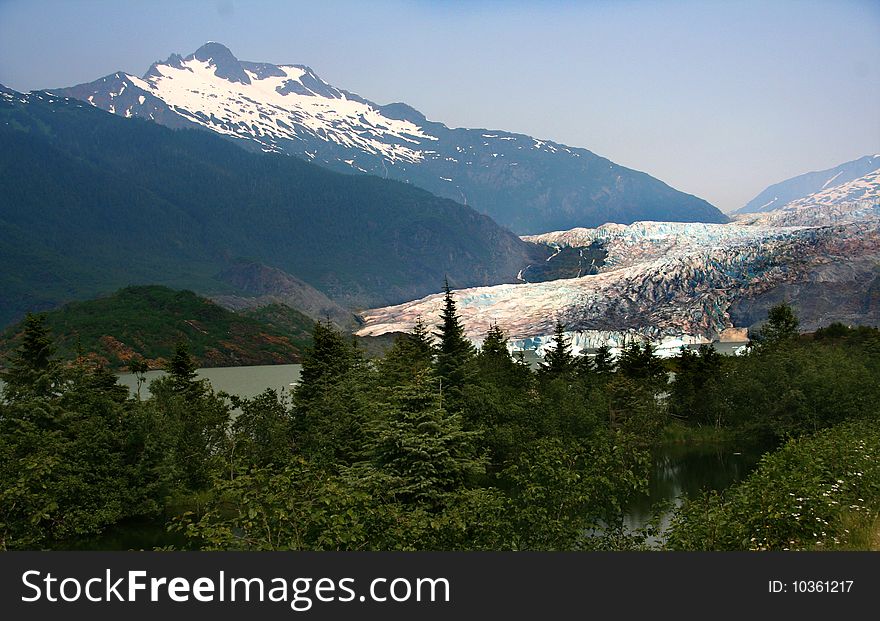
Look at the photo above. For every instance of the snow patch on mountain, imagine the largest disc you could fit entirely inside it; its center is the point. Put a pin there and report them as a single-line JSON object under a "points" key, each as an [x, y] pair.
{"points": [[269, 107], [779, 195]]}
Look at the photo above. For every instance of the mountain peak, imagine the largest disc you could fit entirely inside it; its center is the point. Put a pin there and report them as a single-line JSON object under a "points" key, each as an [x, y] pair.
{"points": [[227, 65]]}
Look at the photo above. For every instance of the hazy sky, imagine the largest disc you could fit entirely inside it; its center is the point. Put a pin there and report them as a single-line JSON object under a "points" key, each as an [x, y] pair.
{"points": [[718, 99]]}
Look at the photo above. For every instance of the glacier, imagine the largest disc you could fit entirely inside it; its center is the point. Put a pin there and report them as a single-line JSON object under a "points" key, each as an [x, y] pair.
{"points": [[669, 283]]}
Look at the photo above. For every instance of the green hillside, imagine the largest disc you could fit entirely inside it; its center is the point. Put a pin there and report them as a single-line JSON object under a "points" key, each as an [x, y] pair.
{"points": [[148, 321]]}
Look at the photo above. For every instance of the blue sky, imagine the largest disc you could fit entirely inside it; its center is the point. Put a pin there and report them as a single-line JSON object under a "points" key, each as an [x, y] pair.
{"points": [[719, 99]]}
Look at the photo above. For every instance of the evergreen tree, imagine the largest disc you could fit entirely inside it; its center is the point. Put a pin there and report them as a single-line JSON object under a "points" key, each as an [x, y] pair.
{"points": [[327, 360], [639, 361], [418, 451], [558, 360], [454, 351], [494, 356], [33, 369], [410, 355], [495, 343], [603, 361], [194, 418], [182, 370], [333, 397], [422, 340]]}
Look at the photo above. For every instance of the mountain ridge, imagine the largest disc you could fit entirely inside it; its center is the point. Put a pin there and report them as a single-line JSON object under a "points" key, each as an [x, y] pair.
{"points": [[527, 184], [146, 322]]}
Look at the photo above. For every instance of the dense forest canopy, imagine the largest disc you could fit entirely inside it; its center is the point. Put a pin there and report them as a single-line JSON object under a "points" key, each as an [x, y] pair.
{"points": [[442, 446]]}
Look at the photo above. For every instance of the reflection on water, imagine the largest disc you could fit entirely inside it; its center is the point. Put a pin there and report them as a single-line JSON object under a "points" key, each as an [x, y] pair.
{"points": [[682, 470]]}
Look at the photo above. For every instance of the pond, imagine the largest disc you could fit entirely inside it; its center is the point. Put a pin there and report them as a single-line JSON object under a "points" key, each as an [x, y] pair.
{"points": [[681, 470]]}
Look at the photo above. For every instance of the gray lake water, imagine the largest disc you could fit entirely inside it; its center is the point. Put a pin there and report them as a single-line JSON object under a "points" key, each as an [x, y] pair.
{"points": [[241, 381]]}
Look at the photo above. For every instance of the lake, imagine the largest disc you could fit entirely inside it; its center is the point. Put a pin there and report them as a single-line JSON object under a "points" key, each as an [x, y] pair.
{"points": [[241, 381]]}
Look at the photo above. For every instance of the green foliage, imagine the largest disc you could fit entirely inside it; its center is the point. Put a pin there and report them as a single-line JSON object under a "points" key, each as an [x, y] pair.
{"points": [[76, 460], [418, 450], [562, 490], [810, 494], [454, 351], [194, 421], [331, 402], [264, 432], [639, 361], [411, 355], [33, 370], [782, 325], [603, 362], [634, 410], [792, 389], [371, 455], [694, 371], [295, 507]]}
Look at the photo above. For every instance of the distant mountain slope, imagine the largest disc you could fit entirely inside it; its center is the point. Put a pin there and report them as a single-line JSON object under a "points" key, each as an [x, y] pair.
{"points": [[855, 200], [527, 184], [779, 194], [90, 202], [148, 322], [261, 285]]}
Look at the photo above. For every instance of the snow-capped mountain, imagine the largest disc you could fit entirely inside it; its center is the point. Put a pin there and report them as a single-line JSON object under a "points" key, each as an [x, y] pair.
{"points": [[821, 183], [856, 199], [677, 283], [524, 183]]}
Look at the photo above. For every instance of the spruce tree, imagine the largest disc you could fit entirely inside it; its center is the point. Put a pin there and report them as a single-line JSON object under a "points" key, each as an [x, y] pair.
{"points": [[332, 397], [640, 362], [418, 450], [558, 360], [454, 351], [603, 361], [182, 370], [327, 360], [410, 355], [33, 369], [495, 344], [422, 340]]}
